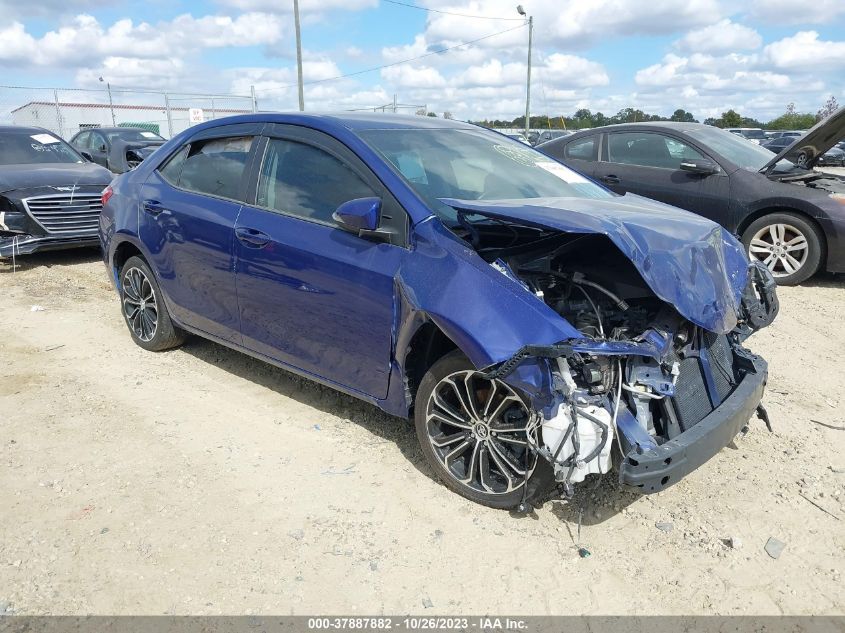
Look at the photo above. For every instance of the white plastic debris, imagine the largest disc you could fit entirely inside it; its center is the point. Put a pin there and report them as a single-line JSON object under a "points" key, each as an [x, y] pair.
{"points": [[37, 308]]}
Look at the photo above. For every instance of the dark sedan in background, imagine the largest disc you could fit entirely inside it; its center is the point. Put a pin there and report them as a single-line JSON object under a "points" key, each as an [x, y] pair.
{"points": [[50, 196], [118, 149], [789, 217], [834, 157]]}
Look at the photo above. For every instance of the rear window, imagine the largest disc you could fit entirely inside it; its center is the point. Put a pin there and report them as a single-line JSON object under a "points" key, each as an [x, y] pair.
{"points": [[213, 167]]}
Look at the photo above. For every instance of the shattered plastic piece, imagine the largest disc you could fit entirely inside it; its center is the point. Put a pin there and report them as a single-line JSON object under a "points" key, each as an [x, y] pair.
{"points": [[664, 526], [37, 308], [427, 604], [583, 552], [774, 547]]}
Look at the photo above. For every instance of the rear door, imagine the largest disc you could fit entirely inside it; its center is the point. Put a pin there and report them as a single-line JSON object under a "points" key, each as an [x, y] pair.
{"points": [[648, 164], [313, 295], [188, 210]]}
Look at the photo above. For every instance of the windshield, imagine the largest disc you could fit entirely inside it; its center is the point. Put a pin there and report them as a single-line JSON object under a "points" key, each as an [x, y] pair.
{"points": [[133, 135], [476, 165], [28, 147], [756, 134], [739, 151]]}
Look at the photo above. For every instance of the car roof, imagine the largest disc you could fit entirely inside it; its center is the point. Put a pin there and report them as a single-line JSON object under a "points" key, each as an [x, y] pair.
{"points": [[356, 121], [25, 129], [674, 126]]}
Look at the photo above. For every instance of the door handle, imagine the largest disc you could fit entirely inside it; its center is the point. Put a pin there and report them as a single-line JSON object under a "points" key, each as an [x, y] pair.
{"points": [[252, 238], [610, 179], [153, 207]]}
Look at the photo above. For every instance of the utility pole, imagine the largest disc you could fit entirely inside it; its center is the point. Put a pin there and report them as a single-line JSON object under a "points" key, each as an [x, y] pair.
{"points": [[298, 55], [394, 103], [521, 12], [111, 104]]}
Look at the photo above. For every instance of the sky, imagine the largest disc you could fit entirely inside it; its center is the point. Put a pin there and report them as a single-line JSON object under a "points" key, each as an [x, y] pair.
{"points": [[755, 56]]}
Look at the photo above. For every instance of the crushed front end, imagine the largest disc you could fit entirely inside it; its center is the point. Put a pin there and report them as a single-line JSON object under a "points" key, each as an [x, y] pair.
{"points": [[645, 390]]}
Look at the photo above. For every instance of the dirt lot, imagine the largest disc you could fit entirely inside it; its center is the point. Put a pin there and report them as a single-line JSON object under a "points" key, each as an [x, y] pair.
{"points": [[202, 481]]}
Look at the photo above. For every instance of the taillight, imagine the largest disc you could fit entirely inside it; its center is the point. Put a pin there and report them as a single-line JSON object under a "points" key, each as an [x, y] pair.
{"points": [[107, 193]]}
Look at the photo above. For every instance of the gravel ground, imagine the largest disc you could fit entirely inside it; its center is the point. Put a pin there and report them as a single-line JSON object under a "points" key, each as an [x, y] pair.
{"points": [[202, 481]]}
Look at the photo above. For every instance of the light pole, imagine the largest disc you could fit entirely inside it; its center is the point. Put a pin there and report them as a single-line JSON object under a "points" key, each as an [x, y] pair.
{"points": [[111, 105], [521, 12], [298, 55]]}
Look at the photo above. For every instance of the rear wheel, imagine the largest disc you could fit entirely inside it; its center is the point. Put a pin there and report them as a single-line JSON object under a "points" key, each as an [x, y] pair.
{"points": [[144, 310], [474, 433], [788, 244]]}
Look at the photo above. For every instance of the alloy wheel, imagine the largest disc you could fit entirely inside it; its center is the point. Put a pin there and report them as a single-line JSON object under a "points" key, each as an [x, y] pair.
{"points": [[139, 304], [479, 430], [781, 247]]}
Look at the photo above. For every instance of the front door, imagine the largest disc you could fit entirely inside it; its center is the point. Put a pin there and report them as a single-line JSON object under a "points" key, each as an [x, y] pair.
{"points": [[311, 294], [648, 164]]}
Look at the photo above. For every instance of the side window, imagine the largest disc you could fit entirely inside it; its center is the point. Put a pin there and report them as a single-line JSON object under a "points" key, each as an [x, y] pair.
{"points": [[648, 149], [82, 140], [96, 141], [305, 181], [172, 169], [582, 149], [214, 167]]}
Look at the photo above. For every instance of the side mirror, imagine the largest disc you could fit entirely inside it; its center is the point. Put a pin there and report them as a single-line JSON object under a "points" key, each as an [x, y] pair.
{"points": [[359, 215], [102, 148], [701, 166], [87, 156]]}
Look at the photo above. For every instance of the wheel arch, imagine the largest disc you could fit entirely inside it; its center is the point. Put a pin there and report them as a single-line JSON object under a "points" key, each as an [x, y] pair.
{"points": [[770, 210], [122, 252], [427, 345]]}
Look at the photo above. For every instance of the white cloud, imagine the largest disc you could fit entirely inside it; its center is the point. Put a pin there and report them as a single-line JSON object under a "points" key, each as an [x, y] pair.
{"points": [[84, 41], [798, 11], [723, 37], [305, 6], [805, 51]]}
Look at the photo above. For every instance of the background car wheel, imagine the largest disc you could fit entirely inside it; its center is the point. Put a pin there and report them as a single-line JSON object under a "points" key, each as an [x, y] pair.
{"points": [[144, 310], [788, 244], [473, 432]]}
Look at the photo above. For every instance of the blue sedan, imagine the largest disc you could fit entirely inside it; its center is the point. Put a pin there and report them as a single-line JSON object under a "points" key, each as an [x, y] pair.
{"points": [[525, 318]]}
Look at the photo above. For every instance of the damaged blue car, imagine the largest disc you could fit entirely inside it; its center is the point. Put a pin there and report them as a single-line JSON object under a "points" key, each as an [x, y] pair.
{"points": [[527, 319]]}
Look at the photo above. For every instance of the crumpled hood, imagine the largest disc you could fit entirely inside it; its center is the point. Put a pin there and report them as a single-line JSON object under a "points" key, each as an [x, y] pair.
{"points": [[52, 175], [688, 261]]}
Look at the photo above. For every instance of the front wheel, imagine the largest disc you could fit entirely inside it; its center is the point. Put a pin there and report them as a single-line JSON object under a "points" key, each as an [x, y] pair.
{"points": [[144, 310], [788, 244], [474, 433]]}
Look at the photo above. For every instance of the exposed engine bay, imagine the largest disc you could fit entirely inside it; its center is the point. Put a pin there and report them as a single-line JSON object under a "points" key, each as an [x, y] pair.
{"points": [[641, 376]]}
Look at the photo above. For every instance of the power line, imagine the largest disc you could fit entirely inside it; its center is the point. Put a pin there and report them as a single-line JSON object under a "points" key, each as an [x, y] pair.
{"points": [[460, 15], [404, 61]]}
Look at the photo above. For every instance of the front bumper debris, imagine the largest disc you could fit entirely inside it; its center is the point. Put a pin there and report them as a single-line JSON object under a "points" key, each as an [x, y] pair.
{"points": [[651, 468], [27, 244]]}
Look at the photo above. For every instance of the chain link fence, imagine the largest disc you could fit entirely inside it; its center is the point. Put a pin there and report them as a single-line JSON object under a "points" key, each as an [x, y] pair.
{"points": [[66, 111]]}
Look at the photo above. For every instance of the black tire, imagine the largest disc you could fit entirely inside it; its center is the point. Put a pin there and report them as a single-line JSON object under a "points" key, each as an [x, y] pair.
{"points": [[764, 233], [143, 308], [509, 410]]}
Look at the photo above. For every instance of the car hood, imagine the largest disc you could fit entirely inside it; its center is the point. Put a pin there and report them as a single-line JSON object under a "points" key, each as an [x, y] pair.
{"points": [[823, 136], [52, 175], [688, 261]]}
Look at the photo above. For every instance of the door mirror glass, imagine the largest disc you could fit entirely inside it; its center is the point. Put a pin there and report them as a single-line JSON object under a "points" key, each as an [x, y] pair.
{"points": [[360, 214], [702, 166]]}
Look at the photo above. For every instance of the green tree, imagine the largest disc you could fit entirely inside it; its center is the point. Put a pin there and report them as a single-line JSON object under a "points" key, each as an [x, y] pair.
{"points": [[682, 116], [731, 118]]}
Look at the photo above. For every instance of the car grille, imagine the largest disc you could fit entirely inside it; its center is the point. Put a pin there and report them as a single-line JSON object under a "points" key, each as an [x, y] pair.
{"points": [[692, 402], [66, 213]]}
